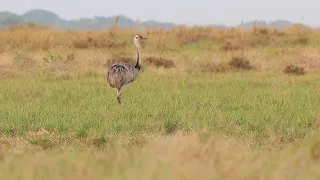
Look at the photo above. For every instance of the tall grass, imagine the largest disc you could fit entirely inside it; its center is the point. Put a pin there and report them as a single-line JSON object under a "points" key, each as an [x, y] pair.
{"points": [[35, 38]]}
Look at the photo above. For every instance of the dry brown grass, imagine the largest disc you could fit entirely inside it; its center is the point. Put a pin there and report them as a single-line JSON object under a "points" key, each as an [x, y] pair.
{"points": [[237, 63], [213, 67], [159, 62], [178, 156], [231, 45], [36, 38], [117, 58], [269, 49], [84, 43], [185, 36]]}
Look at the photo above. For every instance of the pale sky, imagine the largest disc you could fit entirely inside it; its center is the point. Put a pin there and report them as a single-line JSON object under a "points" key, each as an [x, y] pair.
{"points": [[191, 12]]}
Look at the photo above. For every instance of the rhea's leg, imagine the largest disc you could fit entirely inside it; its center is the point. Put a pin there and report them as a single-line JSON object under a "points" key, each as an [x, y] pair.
{"points": [[119, 92], [119, 96]]}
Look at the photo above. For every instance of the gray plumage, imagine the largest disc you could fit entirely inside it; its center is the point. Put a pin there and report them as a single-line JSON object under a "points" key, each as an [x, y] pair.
{"points": [[120, 75]]}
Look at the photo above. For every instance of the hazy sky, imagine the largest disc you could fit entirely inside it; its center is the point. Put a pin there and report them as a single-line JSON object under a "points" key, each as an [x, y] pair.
{"points": [[229, 12]]}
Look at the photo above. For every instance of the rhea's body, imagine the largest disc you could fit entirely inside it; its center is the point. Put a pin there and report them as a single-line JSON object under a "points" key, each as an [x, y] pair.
{"points": [[120, 75]]}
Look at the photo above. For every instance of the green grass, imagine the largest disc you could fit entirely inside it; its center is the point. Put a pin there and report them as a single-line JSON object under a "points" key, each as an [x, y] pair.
{"points": [[71, 127], [258, 104]]}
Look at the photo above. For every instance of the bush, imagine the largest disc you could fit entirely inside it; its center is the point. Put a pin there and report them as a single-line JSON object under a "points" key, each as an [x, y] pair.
{"points": [[240, 63], [292, 69]]}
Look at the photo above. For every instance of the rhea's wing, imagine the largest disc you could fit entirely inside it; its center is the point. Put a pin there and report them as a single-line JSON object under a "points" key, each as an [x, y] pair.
{"points": [[120, 74]]}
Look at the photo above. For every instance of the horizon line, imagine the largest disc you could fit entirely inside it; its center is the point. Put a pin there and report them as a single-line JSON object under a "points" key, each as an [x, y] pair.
{"points": [[268, 22]]}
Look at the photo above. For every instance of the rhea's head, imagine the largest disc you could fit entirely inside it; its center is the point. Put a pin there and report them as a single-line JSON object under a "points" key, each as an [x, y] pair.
{"points": [[137, 38]]}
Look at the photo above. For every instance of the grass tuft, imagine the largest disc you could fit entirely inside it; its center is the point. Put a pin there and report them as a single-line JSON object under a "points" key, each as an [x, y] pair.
{"points": [[171, 126], [99, 142]]}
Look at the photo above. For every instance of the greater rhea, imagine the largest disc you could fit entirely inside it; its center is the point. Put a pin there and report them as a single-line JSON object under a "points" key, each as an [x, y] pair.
{"points": [[121, 75]]}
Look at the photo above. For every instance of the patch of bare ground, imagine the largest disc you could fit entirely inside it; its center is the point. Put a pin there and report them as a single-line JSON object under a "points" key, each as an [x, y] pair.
{"points": [[8, 71], [309, 62]]}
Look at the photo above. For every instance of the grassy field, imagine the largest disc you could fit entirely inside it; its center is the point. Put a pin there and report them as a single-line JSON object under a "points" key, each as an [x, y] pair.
{"points": [[208, 104]]}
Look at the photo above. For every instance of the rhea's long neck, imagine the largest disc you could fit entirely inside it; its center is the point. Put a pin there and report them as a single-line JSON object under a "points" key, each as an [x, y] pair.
{"points": [[138, 64]]}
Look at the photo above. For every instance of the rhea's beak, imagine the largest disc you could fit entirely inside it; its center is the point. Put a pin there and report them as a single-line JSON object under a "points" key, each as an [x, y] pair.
{"points": [[144, 38]]}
